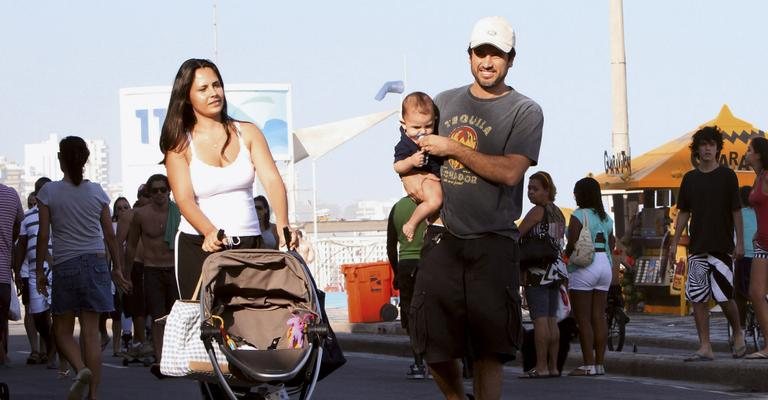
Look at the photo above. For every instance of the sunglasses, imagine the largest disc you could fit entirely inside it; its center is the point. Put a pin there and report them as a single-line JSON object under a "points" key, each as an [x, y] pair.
{"points": [[158, 190]]}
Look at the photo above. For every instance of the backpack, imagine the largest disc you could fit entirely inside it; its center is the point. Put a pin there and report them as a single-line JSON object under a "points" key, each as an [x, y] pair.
{"points": [[584, 249]]}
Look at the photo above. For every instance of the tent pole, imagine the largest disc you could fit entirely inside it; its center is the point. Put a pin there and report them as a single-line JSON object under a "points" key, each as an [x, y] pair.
{"points": [[314, 200]]}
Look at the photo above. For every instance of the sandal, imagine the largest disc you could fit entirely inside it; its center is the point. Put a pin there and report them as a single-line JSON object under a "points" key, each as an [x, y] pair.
{"points": [[695, 357], [758, 355], [34, 358], [79, 384], [584, 370], [741, 351], [533, 374]]}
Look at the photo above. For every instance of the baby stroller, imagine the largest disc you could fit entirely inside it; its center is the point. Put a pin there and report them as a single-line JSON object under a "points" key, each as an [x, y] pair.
{"points": [[260, 309]]}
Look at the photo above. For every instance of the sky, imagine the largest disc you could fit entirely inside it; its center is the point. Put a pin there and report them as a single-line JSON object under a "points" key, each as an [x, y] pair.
{"points": [[65, 61]]}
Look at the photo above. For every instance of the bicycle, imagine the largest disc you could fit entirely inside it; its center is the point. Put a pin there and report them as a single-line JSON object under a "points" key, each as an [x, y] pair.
{"points": [[752, 328], [617, 319]]}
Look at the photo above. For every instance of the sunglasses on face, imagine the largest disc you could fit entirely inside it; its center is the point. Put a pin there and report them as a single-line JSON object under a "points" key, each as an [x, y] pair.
{"points": [[158, 190]]}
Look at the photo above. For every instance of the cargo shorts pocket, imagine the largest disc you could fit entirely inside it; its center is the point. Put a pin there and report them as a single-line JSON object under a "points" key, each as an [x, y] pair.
{"points": [[514, 318], [101, 273], [418, 323], [66, 275]]}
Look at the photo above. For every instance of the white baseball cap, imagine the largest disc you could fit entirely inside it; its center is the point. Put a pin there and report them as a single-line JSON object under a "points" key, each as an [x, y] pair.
{"points": [[495, 31]]}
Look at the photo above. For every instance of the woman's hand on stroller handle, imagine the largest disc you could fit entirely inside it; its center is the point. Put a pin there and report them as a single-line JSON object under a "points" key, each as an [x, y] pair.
{"points": [[288, 235], [213, 240]]}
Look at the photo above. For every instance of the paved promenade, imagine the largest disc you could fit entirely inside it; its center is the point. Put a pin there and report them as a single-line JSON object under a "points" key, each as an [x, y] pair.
{"points": [[655, 348]]}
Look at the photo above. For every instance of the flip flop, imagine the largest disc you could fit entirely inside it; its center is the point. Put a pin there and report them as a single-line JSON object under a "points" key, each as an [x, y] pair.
{"points": [[533, 374], [740, 352], [758, 355], [695, 357]]}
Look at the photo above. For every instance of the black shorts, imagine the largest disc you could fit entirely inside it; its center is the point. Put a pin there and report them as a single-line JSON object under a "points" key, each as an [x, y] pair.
{"points": [[190, 258], [466, 300], [133, 303], [406, 278], [159, 290], [25, 291], [741, 273]]}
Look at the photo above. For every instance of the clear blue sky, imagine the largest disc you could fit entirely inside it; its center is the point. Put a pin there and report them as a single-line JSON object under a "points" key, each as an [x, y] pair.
{"points": [[64, 62]]}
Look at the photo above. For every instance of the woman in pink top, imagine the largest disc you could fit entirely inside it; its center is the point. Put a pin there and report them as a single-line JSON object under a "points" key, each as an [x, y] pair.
{"points": [[757, 157]]}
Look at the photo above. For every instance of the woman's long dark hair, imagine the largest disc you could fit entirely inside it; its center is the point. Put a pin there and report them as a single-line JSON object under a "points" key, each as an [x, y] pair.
{"points": [[264, 201], [73, 153], [180, 117], [760, 146], [115, 215], [587, 193]]}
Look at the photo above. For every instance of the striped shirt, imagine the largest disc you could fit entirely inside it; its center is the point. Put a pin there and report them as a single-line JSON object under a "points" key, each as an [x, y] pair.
{"points": [[10, 214], [29, 228]]}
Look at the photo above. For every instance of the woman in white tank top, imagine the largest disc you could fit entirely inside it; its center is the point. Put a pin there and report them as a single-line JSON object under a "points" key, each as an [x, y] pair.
{"points": [[211, 162]]}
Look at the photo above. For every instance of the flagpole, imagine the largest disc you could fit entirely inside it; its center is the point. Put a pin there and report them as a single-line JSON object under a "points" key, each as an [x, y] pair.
{"points": [[405, 82], [215, 35]]}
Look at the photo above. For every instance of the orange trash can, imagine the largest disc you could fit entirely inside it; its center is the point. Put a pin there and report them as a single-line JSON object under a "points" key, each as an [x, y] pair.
{"points": [[369, 289]]}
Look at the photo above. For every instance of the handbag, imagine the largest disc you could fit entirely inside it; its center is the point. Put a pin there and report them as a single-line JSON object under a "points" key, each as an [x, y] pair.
{"points": [[333, 356], [183, 352], [539, 250], [14, 313], [584, 249]]}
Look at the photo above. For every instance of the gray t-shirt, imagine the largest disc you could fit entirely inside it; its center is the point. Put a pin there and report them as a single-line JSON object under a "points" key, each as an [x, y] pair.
{"points": [[75, 217], [511, 124]]}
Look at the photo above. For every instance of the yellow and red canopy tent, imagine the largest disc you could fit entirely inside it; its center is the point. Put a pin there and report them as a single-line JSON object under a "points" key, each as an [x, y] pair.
{"points": [[664, 166]]}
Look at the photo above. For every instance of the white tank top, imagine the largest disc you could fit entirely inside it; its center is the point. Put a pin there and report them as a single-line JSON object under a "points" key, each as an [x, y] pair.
{"points": [[225, 194]]}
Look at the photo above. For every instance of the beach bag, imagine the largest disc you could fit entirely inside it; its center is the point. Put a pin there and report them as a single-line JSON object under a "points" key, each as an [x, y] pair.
{"points": [[584, 249], [14, 313], [183, 350], [539, 250]]}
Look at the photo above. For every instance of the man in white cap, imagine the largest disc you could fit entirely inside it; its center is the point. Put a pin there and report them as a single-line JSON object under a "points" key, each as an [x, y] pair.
{"points": [[466, 300]]}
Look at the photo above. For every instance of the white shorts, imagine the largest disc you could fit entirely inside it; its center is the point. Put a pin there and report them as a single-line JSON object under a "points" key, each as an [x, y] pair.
{"points": [[596, 276], [37, 302]]}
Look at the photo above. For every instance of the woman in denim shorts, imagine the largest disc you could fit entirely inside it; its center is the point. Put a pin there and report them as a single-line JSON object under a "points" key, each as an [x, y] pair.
{"points": [[76, 212]]}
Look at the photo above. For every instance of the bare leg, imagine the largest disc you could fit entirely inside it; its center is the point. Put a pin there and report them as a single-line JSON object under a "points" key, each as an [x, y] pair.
{"points": [[64, 326], [758, 287], [599, 324], [29, 326], [732, 314], [487, 380], [701, 316], [554, 346], [448, 378], [91, 337], [139, 333], [430, 204], [116, 332], [542, 340], [582, 309]]}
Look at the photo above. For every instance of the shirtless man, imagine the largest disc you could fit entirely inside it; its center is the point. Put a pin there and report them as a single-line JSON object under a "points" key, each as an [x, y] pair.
{"points": [[148, 224], [133, 302]]}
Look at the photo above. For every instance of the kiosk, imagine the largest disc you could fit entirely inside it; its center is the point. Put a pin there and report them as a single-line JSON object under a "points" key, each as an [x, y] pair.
{"points": [[644, 191]]}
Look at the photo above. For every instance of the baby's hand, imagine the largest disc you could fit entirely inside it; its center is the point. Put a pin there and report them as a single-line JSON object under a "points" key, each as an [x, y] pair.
{"points": [[417, 159]]}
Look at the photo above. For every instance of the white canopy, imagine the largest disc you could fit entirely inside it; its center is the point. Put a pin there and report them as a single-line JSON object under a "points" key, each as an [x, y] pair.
{"points": [[316, 141]]}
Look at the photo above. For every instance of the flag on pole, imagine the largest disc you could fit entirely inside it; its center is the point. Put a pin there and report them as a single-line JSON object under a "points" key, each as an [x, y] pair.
{"points": [[390, 87]]}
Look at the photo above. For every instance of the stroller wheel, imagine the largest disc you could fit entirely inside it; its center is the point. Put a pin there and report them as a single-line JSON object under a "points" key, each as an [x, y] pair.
{"points": [[388, 312]]}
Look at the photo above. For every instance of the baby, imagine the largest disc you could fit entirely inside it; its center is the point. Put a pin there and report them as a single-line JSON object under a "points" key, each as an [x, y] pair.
{"points": [[419, 117]]}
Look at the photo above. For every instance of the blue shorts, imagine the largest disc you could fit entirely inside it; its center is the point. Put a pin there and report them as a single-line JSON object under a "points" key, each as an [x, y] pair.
{"points": [[82, 283]]}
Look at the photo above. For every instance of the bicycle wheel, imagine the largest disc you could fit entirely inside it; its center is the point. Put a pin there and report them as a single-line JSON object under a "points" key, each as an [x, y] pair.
{"points": [[617, 324]]}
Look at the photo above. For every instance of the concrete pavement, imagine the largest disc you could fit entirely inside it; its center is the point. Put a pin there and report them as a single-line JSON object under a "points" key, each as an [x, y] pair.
{"points": [[661, 343]]}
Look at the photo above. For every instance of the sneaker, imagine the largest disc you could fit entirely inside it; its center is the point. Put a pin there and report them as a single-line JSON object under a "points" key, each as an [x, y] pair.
{"points": [[599, 369], [80, 384], [416, 372]]}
